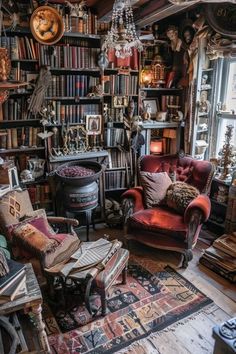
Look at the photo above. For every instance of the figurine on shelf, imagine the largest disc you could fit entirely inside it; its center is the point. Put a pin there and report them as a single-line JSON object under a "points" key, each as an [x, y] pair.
{"points": [[130, 109], [175, 41], [204, 104], [42, 84], [177, 77], [204, 84], [147, 112]]}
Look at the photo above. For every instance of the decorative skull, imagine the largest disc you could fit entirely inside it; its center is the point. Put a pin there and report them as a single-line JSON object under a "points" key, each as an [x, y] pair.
{"points": [[26, 176]]}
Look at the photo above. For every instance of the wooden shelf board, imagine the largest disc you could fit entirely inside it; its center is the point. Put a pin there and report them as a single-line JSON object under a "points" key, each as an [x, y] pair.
{"points": [[160, 89], [202, 131], [115, 189], [77, 70], [24, 60], [80, 156], [77, 99], [20, 150]]}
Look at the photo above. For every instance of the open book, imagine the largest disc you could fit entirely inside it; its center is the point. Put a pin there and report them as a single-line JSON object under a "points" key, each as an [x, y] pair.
{"points": [[89, 255]]}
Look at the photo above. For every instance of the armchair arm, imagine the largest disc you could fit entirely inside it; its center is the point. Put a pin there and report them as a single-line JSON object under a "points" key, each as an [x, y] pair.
{"points": [[69, 223], [61, 220], [201, 204], [136, 195]]}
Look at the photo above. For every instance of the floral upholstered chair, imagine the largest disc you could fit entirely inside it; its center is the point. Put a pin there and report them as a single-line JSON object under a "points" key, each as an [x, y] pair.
{"points": [[165, 214]]}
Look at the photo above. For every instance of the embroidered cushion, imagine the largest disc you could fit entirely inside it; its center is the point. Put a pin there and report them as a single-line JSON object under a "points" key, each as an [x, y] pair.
{"points": [[154, 186], [179, 195]]}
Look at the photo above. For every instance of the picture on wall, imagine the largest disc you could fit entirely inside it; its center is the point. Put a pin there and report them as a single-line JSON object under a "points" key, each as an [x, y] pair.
{"points": [[120, 101], [94, 124], [151, 106]]}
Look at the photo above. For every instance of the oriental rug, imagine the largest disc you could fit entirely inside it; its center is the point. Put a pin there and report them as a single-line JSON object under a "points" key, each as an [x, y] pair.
{"points": [[149, 302]]}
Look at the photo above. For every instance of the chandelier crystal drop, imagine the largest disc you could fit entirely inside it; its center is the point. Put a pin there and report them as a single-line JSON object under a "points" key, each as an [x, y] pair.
{"points": [[122, 36]]}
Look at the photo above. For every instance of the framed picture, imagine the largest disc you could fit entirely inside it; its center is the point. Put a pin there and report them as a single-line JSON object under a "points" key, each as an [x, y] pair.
{"points": [[93, 124], [120, 101], [151, 106]]}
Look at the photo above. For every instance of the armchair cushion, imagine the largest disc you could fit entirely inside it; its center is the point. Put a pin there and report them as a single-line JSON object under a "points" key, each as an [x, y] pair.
{"points": [[161, 220], [179, 195], [154, 186], [13, 206]]}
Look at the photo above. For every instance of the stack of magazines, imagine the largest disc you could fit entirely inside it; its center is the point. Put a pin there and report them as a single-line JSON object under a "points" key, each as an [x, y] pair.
{"points": [[221, 256]]}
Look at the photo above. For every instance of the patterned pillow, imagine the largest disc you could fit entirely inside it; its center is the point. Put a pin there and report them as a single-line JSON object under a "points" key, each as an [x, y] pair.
{"points": [[154, 187], [179, 195], [13, 206], [33, 239]]}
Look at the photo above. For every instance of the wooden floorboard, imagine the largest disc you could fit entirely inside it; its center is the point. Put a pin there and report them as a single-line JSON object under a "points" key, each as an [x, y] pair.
{"points": [[194, 333]]}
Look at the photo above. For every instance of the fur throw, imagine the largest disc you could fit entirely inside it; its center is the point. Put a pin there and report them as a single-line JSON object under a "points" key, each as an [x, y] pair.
{"points": [[179, 195]]}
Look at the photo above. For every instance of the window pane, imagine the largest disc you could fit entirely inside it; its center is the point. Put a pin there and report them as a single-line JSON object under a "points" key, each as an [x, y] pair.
{"points": [[221, 133], [231, 88]]}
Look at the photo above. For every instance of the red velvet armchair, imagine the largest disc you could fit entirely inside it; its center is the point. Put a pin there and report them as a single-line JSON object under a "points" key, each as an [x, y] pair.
{"points": [[162, 227]]}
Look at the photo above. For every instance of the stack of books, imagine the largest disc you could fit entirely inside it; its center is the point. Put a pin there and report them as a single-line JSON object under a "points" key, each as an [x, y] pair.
{"points": [[221, 256], [13, 284]]}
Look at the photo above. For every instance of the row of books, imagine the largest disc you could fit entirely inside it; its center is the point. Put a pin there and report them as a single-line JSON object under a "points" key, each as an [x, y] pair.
{"points": [[169, 101], [115, 179], [20, 47], [67, 56], [74, 113], [115, 137], [86, 24], [14, 109], [14, 138], [63, 55], [19, 74], [40, 194], [118, 158], [71, 85], [221, 256], [13, 284], [121, 84]]}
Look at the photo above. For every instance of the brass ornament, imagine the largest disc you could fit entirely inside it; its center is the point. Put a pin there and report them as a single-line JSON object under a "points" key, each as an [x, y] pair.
{"points": [[46, 25]]}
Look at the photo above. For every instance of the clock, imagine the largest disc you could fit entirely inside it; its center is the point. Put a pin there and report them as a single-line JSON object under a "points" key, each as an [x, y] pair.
{"points": [[222, 18]]}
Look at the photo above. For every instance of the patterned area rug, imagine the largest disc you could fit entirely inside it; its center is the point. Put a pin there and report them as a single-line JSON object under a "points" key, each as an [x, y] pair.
{"points": [[146, 304]]}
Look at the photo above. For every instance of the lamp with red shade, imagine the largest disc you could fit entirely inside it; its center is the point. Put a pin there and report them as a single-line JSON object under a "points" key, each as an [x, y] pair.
{"points": [[156, 146]]}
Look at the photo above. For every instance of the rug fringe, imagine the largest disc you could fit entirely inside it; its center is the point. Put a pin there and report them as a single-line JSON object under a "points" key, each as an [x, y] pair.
{"points": [[147, 345]]}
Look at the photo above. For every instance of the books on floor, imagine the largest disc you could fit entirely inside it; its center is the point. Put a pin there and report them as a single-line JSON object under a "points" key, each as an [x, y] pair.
{"points": [[13, 284], [221, 257]]}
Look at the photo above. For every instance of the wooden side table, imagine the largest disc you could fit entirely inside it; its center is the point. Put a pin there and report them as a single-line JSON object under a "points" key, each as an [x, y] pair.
{"points": [[30, 303]]}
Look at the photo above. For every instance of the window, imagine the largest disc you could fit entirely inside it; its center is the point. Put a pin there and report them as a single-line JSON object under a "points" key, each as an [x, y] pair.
{"points": [[228, 108]]}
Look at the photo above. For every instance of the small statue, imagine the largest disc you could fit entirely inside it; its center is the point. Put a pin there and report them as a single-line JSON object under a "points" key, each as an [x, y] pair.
{"points": [[147, 112], [204, 104], [130, 109], [204, 84]]}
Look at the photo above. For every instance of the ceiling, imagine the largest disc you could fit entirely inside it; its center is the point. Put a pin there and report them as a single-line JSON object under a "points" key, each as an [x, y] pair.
{"points": [[146, 12]]}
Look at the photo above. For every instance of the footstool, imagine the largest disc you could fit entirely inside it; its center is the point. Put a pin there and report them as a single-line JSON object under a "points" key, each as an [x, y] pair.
{"points": [[106, 278]]}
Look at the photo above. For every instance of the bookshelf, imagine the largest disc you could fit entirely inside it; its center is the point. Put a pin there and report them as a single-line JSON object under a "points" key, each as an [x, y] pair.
{"points": [[73, 98], [205, 111]]}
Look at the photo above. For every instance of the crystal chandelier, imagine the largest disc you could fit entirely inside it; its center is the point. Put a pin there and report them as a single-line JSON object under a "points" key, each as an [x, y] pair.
{"points": [[122, 35]]}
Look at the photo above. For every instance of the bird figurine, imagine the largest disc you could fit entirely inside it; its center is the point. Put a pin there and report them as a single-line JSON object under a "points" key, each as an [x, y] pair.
{"points": [[41, 86]]}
